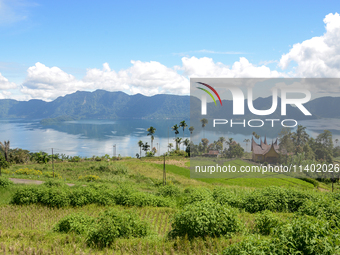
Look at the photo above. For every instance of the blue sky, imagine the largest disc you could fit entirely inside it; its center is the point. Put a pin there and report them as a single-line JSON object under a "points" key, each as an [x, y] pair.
{"points": [[52, 48]]}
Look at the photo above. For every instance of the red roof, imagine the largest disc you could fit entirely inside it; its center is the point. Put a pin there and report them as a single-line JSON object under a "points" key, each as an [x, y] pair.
{"points": [[263, 147]]}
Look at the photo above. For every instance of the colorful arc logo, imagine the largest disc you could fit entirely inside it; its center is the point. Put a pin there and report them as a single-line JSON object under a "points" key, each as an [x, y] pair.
{"points": [[208, 92]]}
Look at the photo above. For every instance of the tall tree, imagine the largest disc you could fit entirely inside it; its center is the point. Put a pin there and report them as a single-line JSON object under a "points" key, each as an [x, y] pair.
{"points": [[170, 146], [140, 144], [5, 148], [178, 142], [186, 142], [175, 128], [183, 125], [151, 131], [146, 147], [222, 140], [191, 129], [204, 123]]}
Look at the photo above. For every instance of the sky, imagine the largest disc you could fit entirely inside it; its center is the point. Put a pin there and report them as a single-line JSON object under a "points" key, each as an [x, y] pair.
{"points": [[53, 48]]}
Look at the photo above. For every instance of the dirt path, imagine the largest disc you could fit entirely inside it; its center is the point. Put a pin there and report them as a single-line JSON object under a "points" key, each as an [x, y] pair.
{"points": [[25, 181]]}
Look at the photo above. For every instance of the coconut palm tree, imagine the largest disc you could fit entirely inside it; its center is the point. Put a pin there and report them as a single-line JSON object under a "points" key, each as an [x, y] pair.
{"points": [[183, 124], [186, 142], [146, 147], [178, 142], [170, 146], [140, 144], [5, 148], [204, 123], [191, 129], [175, 128], [151, 131]]}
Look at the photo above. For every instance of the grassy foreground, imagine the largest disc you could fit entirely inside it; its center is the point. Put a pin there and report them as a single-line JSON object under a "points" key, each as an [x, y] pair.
{"points": [[28, 229]]}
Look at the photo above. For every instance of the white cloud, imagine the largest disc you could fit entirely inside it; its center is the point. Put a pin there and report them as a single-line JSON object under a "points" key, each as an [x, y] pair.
{"points": [[206, 67], [318, 56], [5, 84], [48, 83]]}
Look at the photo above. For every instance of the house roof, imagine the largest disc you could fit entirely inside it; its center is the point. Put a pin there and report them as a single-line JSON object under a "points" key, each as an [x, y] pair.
{"points": [[263, 147]]}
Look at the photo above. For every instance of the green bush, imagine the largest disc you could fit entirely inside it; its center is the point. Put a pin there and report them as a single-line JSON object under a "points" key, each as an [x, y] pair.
{"points": [[266, 222], [300, 235], [26, 195], [197, 195], [54, 183], [169, 191], [120, 169], [325, 209], [224, 196], [113, 224], [205, 219], [78, 223], [82, 196], [55, 197], [5, 182]]}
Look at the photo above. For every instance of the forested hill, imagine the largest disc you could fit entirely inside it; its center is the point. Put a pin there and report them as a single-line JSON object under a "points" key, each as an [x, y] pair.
{"points": [[102, 104]]}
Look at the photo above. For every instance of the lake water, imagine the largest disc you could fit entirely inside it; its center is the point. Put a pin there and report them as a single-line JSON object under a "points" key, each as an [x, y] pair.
{"points": [[97, 137]]}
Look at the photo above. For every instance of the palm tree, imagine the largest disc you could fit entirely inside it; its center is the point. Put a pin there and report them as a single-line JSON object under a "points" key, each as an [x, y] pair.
{"points": [[204, 123], [175, 128], [5, 148], [151, 131], [146, 147], [256, 135], [246, 141], [191, 129], [222, 140], [178, 142], [140, 144], [336, 141], [186, 142], [170, 146], [183, 124]]}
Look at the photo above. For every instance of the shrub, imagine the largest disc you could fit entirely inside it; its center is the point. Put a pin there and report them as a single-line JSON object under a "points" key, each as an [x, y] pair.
{"points": [[169, 191], [113, 224], [325, 209], [52, 175], [197, 195], [266, 222], [54, 183], [89, 178], [301, 235], [55, 197], [205, 219], [224, 196], [26, 171], [5, 182], [82, 196], [26, 195], [78, 223]]}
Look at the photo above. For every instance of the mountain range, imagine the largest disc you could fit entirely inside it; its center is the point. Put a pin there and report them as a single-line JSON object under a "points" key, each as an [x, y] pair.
{"points": [[101, 104]]}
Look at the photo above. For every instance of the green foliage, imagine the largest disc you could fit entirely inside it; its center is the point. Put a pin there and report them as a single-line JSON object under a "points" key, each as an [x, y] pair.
{"points": [[82, 196], [54, 183], [26, 195], [113, 224], [300, 235], [55, 197], [78, 223], [197, 195], [205, 219], [169, 191], [224, 196], [5, 182], [266, 222]]}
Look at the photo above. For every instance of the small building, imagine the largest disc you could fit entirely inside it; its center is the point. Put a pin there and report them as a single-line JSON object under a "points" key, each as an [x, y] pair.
{"points": [[212, 154], [264, 152]]}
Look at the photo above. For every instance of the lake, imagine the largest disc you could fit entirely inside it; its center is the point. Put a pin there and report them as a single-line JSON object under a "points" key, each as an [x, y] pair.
{"points": [[97, 137]]}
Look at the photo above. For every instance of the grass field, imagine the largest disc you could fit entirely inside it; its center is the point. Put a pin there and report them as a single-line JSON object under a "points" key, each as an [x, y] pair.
{"points": [[27, 229]]}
